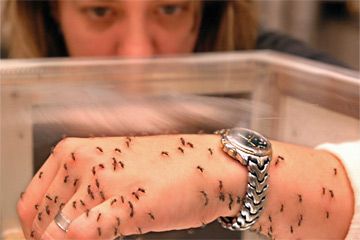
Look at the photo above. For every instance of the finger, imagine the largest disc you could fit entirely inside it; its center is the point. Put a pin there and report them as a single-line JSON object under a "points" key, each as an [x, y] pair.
{"points": [[86, 198], [28, 204], [57, 196], [95, 215], [105, 221], [120, 216]]}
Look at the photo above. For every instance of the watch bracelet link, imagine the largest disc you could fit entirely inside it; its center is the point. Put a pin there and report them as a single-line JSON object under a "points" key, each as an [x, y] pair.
{"points": [[255, 197], [253, 202]]}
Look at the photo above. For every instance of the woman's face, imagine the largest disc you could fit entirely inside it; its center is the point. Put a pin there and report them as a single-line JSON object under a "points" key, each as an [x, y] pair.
{"points": [[132, 28]]}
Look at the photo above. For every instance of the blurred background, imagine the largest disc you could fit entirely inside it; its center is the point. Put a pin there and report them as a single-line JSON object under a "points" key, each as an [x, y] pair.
{"points": [[330, 26]]}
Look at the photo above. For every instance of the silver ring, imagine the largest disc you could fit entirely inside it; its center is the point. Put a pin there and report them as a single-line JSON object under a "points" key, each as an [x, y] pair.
{"points": [[62, 222]]}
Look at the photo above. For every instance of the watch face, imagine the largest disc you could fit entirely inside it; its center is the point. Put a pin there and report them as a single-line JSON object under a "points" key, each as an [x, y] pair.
{"points": [[249, 141]]}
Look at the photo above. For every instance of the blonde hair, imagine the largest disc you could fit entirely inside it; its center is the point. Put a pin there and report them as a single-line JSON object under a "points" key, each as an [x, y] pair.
{"points": [[33, 32]]}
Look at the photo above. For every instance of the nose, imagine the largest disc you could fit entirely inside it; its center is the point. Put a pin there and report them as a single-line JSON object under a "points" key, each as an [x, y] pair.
{"points": [[136, 40]]}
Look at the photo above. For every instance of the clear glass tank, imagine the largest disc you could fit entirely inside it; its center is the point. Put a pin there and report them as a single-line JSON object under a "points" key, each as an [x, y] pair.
{"points": [[284, 97]]}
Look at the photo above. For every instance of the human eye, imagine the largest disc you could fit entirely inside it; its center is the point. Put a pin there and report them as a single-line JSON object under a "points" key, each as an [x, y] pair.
{"points": [[170, 9], [99, 13]]}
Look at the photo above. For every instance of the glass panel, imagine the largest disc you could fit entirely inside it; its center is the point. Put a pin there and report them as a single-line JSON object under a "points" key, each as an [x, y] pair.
{"points": [[283, 97]]}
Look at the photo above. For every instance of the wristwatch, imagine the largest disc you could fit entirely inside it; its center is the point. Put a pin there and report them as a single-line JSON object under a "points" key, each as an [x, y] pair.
{"points": [[252, 150]]}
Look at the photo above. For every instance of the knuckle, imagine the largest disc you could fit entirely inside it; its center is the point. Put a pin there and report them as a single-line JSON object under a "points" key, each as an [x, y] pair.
{"points": [[84, 153], [75, 233], [71, 148], [65, 144], [36, 226], [22, 211]]}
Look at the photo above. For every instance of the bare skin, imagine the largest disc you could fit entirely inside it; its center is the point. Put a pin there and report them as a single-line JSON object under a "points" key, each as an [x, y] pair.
{"points": [[152, 191], [139, 28], [297, 207]]}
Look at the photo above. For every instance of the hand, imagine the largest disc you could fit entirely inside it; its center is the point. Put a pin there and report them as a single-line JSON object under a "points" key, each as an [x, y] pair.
{"points": [[117, 186]]}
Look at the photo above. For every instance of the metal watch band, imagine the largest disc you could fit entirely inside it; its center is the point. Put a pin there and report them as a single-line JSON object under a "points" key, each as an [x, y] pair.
{"points": [[257, 187]]}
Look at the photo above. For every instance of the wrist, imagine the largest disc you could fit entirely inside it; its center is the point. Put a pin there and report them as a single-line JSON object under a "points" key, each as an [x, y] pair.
{"points": [[233, 177], [253, 151]]}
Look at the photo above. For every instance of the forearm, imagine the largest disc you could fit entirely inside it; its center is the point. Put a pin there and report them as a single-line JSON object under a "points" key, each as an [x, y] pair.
{"points": [[309, 197], [309, 193]]}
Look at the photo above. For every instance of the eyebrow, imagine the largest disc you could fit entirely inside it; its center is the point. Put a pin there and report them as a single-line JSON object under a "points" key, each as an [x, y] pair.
{"points": [[96, 1], [80, 2], [172, 1]]}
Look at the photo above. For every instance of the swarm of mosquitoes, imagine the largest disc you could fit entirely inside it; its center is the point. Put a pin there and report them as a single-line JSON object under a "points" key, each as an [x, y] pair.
{"points": [[52, 204]]}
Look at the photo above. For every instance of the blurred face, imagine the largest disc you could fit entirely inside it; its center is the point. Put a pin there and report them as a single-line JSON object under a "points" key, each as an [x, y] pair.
{"points": [[132, 28]]}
